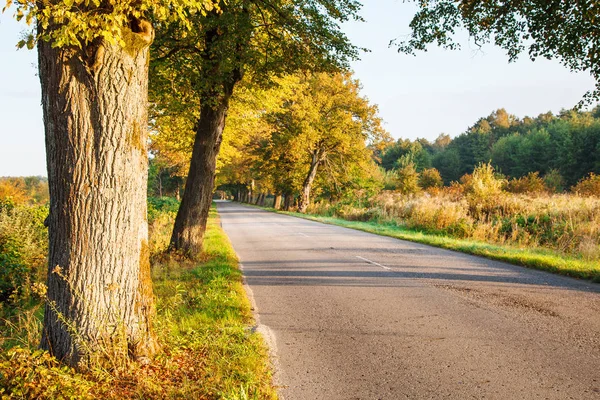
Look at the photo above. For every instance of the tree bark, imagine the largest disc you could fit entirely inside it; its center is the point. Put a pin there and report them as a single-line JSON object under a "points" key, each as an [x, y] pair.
{"points": [[277, 202], [190, 223], [288, 201], [100, 298], [307, 185]]}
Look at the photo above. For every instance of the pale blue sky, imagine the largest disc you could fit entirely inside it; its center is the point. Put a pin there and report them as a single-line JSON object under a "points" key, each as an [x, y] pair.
{"points": [[437, 91]]}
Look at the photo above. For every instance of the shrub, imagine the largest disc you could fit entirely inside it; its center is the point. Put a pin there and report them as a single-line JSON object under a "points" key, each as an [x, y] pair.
{"points": [[390, 180], [37, 375], [161, 217], [408, 179], [430, 178], [588, 186], [562, 222], [530, 183], [14, 274], [23, 248], [438, 214], [157, 205], [482, 190], [554, 181]]}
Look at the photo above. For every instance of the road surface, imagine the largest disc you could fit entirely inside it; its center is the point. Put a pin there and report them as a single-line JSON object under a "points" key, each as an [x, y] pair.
{"points": [[352, 315]]}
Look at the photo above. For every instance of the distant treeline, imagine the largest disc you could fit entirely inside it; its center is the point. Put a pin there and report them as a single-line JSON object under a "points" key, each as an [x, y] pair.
{"points": [[567, 144], [29, 189]]}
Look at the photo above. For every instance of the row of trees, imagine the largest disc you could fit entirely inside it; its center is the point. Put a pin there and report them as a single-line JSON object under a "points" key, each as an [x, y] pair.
{"points": [[568, 143], [93, 68], [93, 65], [309, 131]]}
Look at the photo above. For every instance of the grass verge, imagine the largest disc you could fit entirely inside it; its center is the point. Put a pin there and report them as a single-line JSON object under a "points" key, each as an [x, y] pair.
{"points": [[542, 259], [203, 324], [204, 320]]}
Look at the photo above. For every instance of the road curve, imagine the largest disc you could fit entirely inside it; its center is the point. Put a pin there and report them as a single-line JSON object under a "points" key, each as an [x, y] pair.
{"points": [[352, 315]]}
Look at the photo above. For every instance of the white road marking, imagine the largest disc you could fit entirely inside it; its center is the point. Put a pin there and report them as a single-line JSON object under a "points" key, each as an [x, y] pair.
{"points": [[373, 262], [303, 234]]}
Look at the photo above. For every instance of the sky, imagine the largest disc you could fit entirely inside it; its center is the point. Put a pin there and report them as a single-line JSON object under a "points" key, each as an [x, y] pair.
{"points": [[438, 91]]}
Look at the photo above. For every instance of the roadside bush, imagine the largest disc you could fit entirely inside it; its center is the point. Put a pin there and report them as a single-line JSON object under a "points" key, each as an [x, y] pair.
{"points": [[352, 213], [161, 217], [158, 205], [588, 186], [483, 191], [390, 180], [430, 178], [438, 214], [530, 183], [26, 374], [23, 249], [408, 179]]}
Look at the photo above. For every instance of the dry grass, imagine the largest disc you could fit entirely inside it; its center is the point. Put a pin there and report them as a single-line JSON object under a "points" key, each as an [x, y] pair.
{"points": [[567, 223]]}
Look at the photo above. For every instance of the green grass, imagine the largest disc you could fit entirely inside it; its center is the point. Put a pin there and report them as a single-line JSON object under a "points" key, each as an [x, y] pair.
{"points": [[542, 259], [204, 318]]}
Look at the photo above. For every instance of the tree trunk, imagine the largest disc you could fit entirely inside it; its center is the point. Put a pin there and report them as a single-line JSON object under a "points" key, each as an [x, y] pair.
{"points": [[190, 222], [306, 186], [288, 201], [277, 202], [261, 199], [159, 185], [100, 298]]}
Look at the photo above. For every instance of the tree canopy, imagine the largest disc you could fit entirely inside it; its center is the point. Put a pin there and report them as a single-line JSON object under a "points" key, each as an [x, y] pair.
{"points": [[77, 23], [314, 129], [566, 30], [257, 40]]}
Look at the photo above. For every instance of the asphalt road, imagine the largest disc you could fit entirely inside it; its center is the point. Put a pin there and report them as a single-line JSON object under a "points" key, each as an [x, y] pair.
{"points": [[351, 315]]}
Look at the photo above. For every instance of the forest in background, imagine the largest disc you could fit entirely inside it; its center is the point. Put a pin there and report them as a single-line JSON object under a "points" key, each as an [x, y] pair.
{"points": [[564, 148]]}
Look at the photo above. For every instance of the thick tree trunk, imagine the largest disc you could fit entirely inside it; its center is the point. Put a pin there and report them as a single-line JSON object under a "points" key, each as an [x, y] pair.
{"points": [[100, 298], [190, 222], [306, 186], [277, 202]]}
